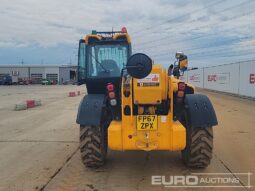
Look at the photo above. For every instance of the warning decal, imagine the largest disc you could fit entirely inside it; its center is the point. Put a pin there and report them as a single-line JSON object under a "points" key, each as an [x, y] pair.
{"points": [[150, 80]]}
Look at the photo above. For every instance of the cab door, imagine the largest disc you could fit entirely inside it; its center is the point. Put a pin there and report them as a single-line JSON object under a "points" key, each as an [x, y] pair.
{"points": [[82, 66]]}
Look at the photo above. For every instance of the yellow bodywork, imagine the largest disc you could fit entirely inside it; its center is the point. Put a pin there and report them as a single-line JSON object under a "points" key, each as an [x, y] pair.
{"points": [[115, 37], [170, 134], [145, 92], [183, 63]]}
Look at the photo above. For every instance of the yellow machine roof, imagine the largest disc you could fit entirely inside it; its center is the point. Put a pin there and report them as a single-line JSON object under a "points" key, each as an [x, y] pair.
{"points": [[114, 35]]}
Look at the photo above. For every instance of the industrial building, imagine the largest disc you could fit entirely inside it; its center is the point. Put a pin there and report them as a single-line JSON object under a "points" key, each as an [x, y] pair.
{"points": [[35, 73]]}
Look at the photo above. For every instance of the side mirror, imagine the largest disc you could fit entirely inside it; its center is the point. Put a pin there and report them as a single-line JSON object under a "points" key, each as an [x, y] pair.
{"points": [[139, 65]]}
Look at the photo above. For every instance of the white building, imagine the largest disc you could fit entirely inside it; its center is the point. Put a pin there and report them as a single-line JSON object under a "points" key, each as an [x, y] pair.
{"points": [[38, 72]]}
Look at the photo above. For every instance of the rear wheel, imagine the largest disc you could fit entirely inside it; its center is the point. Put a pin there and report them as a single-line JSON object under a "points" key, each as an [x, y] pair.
{"points": [[93, 145], [199, 147]]}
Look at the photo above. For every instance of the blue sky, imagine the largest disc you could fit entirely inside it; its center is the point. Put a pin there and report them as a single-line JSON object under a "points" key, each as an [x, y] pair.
{"points": [[209, 32]]}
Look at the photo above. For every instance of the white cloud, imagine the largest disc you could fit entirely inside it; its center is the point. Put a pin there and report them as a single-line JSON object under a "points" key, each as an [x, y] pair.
{"points": [[50, 23]]}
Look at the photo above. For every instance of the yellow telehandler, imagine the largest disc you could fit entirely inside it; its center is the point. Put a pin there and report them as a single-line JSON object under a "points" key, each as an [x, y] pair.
{"points": [[132, 104]]}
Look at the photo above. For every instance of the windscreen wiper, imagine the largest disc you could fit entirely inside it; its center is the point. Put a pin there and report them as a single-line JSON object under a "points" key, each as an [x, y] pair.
{"points": [[99, 63]]}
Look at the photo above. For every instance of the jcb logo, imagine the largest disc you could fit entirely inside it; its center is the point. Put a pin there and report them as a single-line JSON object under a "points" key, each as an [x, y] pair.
{"points": [[252, 78]]}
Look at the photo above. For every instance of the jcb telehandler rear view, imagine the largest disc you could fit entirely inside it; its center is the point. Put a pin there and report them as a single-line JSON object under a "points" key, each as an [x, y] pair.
{"points": [[132, 104]]}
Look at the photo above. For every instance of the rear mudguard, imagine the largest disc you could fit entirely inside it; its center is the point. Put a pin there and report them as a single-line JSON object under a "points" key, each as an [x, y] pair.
{"points": [[200, 111], [90, 109]]}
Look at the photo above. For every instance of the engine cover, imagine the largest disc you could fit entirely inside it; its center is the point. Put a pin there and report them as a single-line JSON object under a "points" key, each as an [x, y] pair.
{"points": [[151, 89]]}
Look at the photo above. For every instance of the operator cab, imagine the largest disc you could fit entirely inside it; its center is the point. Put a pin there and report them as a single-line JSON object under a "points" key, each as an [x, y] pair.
{"points": [[101, 58]]}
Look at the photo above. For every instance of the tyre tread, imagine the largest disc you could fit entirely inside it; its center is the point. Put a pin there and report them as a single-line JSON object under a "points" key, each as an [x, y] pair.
{"points": [[91, 146], [199, 152]]}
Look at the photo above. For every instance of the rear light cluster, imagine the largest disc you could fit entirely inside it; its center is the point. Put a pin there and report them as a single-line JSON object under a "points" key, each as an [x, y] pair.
{"points": [[111, 94], [181, 90]]}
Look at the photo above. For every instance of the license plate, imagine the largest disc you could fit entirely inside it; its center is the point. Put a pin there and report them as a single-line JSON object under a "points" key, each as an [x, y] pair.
{"points": [[146, 122]]}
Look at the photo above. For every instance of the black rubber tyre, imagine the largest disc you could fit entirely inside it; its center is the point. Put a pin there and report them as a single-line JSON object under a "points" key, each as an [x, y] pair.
{"points": [[93, 145], [199, 147]]}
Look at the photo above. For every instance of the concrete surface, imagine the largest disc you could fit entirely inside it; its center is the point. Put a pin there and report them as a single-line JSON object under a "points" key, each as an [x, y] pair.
{"points": [[39, 147]]}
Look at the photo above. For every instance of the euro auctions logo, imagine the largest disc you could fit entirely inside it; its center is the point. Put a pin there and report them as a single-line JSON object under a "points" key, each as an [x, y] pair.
{"points": [[212, 78], [252, 78], [196, 78], [174, 181], [220, 78], [204, 180]]}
